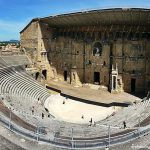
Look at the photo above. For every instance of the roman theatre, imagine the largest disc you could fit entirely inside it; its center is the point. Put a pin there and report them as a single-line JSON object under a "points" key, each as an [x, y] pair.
{"points": [[80, 80]]}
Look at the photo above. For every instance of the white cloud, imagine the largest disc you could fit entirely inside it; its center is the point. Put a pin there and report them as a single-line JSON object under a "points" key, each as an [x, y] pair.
{"points": [[11, 26], [10, 29]]}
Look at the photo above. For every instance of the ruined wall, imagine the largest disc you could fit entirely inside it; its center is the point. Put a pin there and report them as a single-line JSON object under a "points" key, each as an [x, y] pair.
{"points": [[29, 41], [98, 64], [66, 53], [36, 40], [44, 38], [29, 37], [60, 54], [131, 57]]}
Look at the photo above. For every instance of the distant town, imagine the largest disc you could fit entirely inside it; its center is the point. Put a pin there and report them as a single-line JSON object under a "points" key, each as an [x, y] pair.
{"points": [[11, 42], [9, 47]]}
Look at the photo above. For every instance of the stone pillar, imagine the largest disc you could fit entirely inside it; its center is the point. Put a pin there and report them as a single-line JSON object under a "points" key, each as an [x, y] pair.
{"points": [[74, 78]]}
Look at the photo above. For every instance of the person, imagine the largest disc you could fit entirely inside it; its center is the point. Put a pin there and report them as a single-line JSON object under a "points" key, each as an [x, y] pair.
{"points": [[32, 110], [124, 124], [46, 109], [42, 115], [39, 102], [91, 121]]}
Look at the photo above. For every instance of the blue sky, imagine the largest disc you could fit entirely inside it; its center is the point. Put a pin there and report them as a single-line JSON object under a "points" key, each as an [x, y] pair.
{"points": [[15, 14]]}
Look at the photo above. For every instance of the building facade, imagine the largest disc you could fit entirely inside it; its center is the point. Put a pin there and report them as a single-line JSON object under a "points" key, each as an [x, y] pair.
{"points": [[108, 47]]}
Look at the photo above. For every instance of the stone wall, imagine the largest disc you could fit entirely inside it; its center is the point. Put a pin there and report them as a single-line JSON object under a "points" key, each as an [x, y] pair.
{"points": [[29, 41], [36, 40], [64, 56]]}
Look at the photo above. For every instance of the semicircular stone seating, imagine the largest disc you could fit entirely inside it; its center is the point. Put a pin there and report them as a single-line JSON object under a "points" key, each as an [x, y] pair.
{"points": [[23, 89], [21, 83], [132, 115], [20, 86]]}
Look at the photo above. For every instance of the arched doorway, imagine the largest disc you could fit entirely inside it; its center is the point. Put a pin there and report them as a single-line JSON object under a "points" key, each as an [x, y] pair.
{"points": [[37, 75], [96, 78], [44, 73], [133, 85], [65, 75]]}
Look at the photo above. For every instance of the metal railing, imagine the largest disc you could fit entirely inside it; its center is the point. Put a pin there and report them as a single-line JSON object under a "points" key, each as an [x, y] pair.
{"points": [[71, 143]]}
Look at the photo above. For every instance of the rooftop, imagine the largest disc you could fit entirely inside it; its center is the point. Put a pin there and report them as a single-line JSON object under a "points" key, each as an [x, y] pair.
{"points": [[135, 16], [115, 16]]}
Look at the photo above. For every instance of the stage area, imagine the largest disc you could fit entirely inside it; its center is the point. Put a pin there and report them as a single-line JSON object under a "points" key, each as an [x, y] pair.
{"points": [[93, 96], [76, 112]]}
